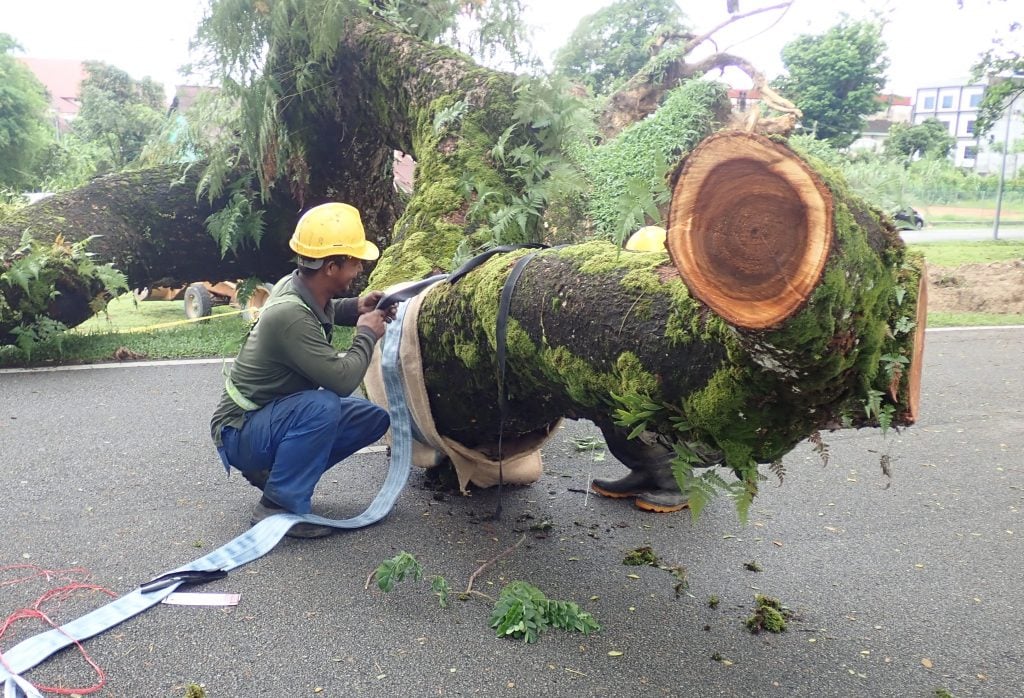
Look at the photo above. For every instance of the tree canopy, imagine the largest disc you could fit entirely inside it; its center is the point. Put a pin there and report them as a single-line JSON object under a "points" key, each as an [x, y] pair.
{"points": [[24, 128], [612, 44], [834, 78], [929, 139], [1003, 67], [119, 114]]}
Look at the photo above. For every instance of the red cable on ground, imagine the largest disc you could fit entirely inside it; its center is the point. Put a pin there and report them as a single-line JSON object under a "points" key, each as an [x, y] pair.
{"points": [[75, 578]]}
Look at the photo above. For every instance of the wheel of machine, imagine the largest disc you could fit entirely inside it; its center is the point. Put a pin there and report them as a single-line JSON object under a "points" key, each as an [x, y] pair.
{"points": [[198, 302], [256, 301]]}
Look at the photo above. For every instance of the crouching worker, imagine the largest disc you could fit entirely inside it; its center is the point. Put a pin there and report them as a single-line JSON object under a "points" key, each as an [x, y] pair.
{"points": [[286, 415]]}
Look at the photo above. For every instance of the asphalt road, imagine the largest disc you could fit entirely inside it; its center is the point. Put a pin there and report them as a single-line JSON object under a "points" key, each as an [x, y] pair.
{"points": [[898, 587], [961, 234]]}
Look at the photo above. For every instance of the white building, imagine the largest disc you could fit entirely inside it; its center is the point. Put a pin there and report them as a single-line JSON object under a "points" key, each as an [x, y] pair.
{"points": [[956, 106]]}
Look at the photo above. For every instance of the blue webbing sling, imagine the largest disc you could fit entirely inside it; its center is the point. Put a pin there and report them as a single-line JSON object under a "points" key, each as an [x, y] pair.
{"points": [[253, 544]]}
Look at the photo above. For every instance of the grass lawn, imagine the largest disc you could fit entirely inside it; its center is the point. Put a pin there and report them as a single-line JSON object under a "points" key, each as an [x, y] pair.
{"points": [[150, 330], [940, 319], [124, 314], [967, 214], [953, 254]]}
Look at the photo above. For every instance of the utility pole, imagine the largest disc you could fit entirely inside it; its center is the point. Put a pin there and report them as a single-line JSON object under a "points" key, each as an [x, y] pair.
{"points": [[1002, 168]]}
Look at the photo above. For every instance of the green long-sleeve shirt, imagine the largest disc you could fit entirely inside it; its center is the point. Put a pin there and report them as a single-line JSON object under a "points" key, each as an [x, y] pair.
{"points": [[289, 350]]}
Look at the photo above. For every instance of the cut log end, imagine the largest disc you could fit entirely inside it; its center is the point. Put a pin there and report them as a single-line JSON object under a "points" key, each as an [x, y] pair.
{"points": [[917, 359], [750, 228]]}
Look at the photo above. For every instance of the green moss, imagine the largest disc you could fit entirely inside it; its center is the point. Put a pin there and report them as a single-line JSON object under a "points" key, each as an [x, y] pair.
{"points": [[419, 255], [639, 557], [450, 161], [645, 151], [592, 388], [579, 379], [468, 353], [631, 375], [769, 614], [642, 271]]}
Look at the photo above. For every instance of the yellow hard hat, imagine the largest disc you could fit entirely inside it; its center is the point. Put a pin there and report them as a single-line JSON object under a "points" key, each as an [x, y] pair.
{"points": [[650, 238], [331, 229]]}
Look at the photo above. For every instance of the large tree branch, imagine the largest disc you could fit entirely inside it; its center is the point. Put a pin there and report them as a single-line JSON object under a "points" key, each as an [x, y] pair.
{"points": [[642, 94], [697, 41]]}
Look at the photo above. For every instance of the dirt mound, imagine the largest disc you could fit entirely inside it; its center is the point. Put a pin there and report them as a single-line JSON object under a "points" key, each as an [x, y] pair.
{"points": [[997, 287]]}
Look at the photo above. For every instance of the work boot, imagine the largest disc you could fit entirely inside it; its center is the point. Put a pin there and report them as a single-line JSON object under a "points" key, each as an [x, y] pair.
{"points": [[629, 486], [661, 501], [257, 478], [265, 508], [650, 480]]}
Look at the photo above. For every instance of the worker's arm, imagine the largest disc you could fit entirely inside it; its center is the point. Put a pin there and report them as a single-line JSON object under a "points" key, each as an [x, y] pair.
{"points": [[346, 311], [302, 347]]}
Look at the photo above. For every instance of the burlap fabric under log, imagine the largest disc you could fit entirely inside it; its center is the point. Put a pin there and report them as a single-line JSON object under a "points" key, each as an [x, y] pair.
{"points": [[521, 462]]}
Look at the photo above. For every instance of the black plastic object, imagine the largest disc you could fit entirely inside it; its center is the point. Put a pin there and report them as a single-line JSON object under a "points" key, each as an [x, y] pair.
{"points": [[407, 291], [185, 577]]}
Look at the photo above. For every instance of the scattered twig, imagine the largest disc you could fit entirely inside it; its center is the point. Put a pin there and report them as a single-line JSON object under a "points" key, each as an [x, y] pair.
{"points": [[481, 568]]}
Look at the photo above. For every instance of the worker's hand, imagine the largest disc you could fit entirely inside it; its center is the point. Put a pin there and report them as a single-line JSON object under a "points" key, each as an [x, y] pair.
{"points": [[369, 301], [376, 320]]}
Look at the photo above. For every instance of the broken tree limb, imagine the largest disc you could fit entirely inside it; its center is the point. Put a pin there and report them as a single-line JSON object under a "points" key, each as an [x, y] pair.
{"points": [[669, 68]]}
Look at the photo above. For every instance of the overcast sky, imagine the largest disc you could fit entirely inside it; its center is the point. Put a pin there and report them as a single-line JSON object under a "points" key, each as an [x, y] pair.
{"points": [[930, 42]]}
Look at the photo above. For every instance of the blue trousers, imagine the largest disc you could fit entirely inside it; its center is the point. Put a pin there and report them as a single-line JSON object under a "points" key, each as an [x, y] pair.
{"points": [[298, 438]]}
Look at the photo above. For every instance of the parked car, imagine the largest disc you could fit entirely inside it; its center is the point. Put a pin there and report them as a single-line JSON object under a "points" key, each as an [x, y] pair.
{"points": [[908, 217]]}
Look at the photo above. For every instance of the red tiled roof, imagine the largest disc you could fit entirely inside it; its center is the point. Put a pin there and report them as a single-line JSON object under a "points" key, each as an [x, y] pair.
{"points": [[404, 167], [893, 100], [186, 95], [62, 78], [751, 94]]}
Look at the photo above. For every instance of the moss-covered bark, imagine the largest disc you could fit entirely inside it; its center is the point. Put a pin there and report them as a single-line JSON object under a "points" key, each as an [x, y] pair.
{"points": [[585, 321], [387, 90], [148, 223]]}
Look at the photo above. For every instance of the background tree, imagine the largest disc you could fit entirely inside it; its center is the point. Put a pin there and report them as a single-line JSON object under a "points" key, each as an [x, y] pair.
{"points": [[929, 139], [834, 78], [1002, 66], [119, 114], [24, 127], [484, 29], [611, 45]]}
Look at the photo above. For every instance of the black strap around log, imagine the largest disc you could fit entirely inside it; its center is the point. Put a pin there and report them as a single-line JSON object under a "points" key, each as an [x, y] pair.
{"points": [[479, 259], [504, 304]]}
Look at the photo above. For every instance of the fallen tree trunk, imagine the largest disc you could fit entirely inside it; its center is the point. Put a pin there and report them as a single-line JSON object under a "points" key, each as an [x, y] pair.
{"points": [[788, 306], [147, 223]]}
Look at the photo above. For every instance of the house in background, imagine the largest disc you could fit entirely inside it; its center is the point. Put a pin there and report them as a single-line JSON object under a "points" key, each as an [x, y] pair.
{"points": [[956, 106], [186, 95], [62, 79], [892, 109], [743, 100]]}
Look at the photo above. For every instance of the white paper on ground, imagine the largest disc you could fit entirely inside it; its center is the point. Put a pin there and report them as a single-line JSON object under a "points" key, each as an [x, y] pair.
{"points": [[196, 598]]}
